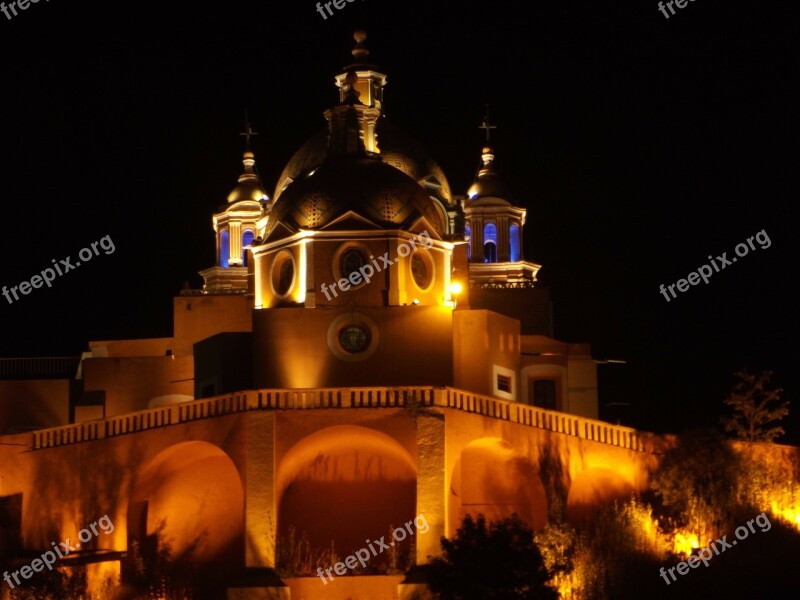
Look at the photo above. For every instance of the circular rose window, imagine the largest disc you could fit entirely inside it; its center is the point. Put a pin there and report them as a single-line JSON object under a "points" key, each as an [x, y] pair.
{"points": [[354, 339]]}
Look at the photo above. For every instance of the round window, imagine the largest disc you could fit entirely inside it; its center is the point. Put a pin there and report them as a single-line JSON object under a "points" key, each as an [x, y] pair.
{"points": [[283, 274], [352, 260], [421, 270], [354, 339]]}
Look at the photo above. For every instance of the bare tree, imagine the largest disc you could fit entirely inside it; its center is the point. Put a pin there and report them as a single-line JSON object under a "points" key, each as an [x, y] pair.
{"points": [[757, 408]]}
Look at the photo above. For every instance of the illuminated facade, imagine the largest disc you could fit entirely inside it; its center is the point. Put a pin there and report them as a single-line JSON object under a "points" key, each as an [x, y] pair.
{"points": [[435, 388]]}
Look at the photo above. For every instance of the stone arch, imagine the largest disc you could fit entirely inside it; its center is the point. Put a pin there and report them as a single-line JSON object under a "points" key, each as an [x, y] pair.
{"points": [[343, 485], [594, 488], [489, 477], [190, 496]]}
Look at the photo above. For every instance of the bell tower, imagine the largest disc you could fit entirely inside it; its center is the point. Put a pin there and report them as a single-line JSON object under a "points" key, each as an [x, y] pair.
{"points": [[494, 228], [235, 227]]}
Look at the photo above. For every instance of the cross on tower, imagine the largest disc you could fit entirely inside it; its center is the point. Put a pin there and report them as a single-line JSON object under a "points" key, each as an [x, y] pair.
{"points": [[486, 125], [248, 131]]}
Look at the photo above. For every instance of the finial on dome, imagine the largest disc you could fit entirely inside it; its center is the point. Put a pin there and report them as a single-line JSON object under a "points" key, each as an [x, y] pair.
{"points": [[360, 51], [249, 161]]}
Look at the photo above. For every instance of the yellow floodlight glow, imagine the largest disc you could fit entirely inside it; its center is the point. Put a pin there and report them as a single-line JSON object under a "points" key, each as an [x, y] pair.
{"points": [[456, 288]]}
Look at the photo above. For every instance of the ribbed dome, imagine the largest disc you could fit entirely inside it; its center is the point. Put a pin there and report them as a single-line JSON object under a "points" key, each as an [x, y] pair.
{"points": [[398, 150], [367, 186]]}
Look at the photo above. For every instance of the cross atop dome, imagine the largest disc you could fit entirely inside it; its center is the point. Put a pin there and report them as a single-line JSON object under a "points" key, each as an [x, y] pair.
{"points": [[486, 125], [248, 131], [487, 180]]}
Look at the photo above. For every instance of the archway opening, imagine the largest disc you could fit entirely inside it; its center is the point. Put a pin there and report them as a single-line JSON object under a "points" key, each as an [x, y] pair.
{"points": [[338, 488], [186, 511], [489, 478]]}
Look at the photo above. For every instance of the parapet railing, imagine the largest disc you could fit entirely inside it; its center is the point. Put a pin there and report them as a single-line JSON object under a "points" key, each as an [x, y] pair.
{"points": [[549, 420], [48, 367], [343, 398], [213, 292]]}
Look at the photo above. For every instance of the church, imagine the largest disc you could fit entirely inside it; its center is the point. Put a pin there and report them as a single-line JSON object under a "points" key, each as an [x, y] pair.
{"points": [[370, 350], [461, 310]]}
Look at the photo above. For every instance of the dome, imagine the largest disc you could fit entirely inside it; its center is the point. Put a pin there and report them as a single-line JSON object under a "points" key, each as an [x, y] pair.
{"points": [[369, 187], [247, 191], [398, 150], [249, 186], [488, 183]]}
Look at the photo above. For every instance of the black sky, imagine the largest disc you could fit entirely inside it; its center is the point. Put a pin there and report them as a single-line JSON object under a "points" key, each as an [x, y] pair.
{"points": [[639, 145]]}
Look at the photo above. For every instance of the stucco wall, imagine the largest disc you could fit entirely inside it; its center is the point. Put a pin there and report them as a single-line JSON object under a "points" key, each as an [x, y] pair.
{"points": [[33, 403], [293, 347]]}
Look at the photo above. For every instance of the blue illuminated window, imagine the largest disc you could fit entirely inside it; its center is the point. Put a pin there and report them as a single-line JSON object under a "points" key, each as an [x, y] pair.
{"points": [[513, 234], [224, 249], [468, 237], [489, 243], [247, 240]]}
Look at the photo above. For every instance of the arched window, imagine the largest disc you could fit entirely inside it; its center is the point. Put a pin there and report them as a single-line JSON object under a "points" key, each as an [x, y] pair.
{"points": [[513, 236], [489, 243], [224, 249], [468, 237], [247, 240]]}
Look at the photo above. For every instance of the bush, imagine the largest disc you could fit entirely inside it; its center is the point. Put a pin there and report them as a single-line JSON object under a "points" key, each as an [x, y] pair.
{"points": [[498, 561]]}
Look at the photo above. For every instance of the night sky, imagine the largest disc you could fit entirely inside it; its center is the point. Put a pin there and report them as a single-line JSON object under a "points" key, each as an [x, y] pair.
{"points": [[639, 145]]}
